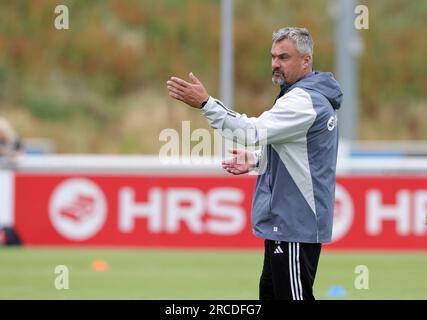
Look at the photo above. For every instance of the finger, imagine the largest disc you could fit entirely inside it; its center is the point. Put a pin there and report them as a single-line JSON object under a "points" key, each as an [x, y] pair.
{"points": [[181, 82], [235, 151], [175, 90], [176, 85], [230, 171], [227, 161], [231, 161], [176, 96], [229, 168], [194, 78]]}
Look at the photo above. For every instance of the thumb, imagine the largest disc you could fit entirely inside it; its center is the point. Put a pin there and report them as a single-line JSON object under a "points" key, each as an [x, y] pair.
{"points": [[194, 79]]}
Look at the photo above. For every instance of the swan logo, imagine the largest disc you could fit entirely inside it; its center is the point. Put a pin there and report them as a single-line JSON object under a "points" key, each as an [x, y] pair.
{"points": [[77, 209], [332, 123], [343, 213]]}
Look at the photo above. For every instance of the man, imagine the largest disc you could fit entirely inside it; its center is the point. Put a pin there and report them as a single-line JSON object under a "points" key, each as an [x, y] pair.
{"points": [[11, 145], [292, 207]]}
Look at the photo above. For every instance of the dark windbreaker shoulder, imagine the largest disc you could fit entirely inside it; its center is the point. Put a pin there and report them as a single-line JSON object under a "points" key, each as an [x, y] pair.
{"points": [[325, 84]]}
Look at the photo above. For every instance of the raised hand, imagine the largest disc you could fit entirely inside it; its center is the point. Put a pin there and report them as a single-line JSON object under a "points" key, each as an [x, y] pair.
{"points": [[192, 93]]}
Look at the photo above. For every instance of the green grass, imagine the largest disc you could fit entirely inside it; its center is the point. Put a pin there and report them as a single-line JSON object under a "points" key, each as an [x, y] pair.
{"points": [[28, 273]]}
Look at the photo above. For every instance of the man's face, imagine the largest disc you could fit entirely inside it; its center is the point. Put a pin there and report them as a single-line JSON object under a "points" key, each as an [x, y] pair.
{"points": [[287, 65]]}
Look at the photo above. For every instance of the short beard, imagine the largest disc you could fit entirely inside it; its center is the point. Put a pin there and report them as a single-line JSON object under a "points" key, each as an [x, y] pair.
{"points": [[278, 81]]}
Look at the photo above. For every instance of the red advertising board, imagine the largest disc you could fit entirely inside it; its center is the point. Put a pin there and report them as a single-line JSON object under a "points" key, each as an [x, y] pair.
{"points": [[204, 211]]}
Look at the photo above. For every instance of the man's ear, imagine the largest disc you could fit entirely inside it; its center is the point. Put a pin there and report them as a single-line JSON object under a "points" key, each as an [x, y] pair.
{"points": [[306, 61]]}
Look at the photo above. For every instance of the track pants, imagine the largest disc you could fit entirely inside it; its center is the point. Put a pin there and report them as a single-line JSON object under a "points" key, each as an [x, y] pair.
{"points": [[289, 270]]}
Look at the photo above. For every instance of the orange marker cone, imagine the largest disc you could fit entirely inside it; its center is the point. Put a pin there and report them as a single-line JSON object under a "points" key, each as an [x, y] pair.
{"points": [[99, 265]]}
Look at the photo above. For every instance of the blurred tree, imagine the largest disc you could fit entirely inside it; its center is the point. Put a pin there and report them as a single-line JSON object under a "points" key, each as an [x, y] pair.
{"points": [[99, 86]]}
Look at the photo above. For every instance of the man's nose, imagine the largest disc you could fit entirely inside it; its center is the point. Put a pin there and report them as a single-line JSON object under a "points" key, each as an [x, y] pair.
{"points": [[275, 63]]}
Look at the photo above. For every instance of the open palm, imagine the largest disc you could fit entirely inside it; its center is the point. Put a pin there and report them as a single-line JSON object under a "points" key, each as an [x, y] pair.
{"points": [[242, 162]]}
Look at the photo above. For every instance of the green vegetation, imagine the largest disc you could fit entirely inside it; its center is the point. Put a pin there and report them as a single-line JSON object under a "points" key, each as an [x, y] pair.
{"points": [[28, 273], [99, 87]]}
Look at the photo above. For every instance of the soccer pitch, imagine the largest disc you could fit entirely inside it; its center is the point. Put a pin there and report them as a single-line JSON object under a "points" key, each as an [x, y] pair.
{"points": [[29, 273]]}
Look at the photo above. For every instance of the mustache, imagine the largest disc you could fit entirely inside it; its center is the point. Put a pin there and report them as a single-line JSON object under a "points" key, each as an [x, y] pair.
{"points": [[277, 70]]}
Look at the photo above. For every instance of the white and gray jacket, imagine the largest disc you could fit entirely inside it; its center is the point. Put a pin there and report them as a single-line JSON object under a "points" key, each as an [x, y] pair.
{"points": [[294, 194]]}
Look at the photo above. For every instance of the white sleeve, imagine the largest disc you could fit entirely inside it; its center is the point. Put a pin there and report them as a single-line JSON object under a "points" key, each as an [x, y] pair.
{"points": [[288, 120]]}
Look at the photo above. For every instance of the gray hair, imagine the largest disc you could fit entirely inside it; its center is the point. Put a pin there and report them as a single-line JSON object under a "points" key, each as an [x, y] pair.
{"points": [[300, 37]]}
